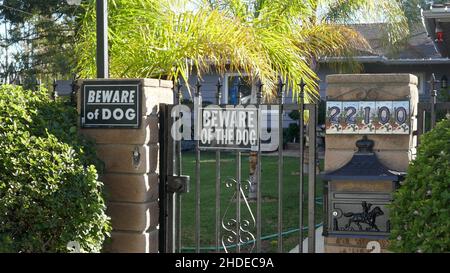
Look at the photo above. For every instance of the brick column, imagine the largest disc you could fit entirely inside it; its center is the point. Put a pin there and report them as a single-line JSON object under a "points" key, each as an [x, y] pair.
{"points": [[394, 151], [131, 158]]}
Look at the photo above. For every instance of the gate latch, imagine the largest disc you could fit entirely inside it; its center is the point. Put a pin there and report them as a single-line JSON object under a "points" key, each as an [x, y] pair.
{"points": [[178, 183]]}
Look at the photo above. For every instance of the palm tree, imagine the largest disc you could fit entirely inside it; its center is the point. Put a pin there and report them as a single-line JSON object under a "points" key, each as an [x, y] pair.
{"points": [[265, 39]]}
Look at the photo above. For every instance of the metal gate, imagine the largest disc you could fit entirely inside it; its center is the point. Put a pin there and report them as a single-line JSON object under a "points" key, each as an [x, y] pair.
{"points": [[427, 115], [238, 227], [428, 111]]}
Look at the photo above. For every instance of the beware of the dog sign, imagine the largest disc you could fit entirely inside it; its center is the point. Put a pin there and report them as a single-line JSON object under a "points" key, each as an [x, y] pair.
{"points": [[230, 127], [114, 104]]}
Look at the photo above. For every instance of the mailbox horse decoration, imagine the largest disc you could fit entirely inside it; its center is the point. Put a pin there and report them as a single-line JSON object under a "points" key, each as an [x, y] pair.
{"points": [[367, 217]]}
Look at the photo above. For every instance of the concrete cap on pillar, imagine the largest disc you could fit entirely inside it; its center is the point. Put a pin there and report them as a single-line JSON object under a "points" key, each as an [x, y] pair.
{"points": [[372, 78]]}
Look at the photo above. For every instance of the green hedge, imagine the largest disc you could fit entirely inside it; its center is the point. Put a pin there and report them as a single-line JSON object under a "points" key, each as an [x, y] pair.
{"points": [[49, 193], [420, 213]]}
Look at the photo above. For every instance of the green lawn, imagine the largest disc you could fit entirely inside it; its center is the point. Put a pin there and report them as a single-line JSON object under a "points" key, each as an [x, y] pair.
{"points": [[269, 208]]}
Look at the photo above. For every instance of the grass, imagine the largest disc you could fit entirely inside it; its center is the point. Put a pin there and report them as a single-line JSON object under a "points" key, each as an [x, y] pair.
{"points": [[269, 208]]}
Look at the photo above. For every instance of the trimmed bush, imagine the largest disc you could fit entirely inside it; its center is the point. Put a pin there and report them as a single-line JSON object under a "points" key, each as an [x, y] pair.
{"points": [[420, 212], [49, 193]]}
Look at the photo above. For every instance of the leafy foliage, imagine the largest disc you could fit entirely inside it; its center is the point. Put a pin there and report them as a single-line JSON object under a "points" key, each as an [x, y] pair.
{"points": [[41, 37], [420, 212], [49, 193], [265, 39], [292, 133]]}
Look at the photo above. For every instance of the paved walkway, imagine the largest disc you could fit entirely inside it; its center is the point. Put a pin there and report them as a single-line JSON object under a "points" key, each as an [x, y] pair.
{"points": [[319, 243]]}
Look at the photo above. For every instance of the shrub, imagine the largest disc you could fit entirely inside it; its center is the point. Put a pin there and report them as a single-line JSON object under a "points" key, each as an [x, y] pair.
{"points": [[292, 133], [49, 193], [420, 212]]}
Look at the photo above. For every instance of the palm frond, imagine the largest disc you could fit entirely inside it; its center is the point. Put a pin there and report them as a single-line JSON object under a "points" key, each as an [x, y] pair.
{"points": [[265, 39], [389, 12]]}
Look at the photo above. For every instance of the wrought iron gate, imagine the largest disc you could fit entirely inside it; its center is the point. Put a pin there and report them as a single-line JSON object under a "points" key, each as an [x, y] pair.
{"points": [[241, 231], [426, 115], [428, 111]]}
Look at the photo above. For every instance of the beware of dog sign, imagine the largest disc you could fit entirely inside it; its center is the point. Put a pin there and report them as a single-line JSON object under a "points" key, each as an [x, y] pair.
{"points": [[115, 104], [230, 127]]}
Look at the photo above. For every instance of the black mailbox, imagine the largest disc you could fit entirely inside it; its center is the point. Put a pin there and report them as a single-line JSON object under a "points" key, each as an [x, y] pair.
{"points": [[356, 196]]}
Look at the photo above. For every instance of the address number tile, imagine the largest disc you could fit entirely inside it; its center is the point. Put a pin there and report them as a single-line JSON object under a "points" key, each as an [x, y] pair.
{"points": [[384, 119], [349, 120], [400, 117], [366, 115], [333, 117]]}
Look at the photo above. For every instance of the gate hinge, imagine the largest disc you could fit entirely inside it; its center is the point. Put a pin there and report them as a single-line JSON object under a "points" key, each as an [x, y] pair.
{"points": [[178, 183]]}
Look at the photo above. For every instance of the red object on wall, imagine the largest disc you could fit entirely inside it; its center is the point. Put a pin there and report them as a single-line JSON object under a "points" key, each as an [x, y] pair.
{"points": [[439, 36], [439, 33]]}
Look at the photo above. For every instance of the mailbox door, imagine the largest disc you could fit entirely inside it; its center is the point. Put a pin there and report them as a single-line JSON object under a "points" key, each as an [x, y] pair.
{"points": [[358, 213]]}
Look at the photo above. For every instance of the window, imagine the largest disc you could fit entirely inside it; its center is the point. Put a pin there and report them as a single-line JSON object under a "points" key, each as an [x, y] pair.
{"points": [[230, 95]]}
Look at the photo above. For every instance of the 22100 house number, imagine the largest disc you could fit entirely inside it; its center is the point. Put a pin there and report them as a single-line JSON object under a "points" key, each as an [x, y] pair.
{"points": [[368, 117]]}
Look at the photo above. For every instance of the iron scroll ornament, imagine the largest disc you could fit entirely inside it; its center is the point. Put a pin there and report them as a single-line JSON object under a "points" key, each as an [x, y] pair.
{"points": [[246, 237]]}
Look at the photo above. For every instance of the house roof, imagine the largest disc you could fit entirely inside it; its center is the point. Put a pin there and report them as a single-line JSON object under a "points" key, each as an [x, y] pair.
{"points": [[439, 15], [418, 46]]}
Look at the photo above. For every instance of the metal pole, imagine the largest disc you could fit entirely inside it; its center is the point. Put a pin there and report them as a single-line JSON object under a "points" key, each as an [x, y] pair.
{"points": [[280, 165], [73, 86], [170, 162], [197, 175], [238, 184], [238, 202], [218, 97], [312, 179], [180, 172], [433, 108], [258, 173], [102, 40], [163, 231], [301, 162], [433, 101]]}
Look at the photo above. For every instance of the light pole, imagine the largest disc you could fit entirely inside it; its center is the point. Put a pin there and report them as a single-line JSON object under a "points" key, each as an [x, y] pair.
{"points": [[102, 37], [433, 91]]}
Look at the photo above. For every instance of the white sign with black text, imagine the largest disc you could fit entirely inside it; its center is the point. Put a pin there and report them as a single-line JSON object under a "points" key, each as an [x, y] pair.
{"points": [[229, 127], [111, 105]]}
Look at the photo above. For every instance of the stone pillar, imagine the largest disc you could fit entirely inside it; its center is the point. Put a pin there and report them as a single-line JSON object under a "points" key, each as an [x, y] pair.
{"points": [[393, 150], [131, 158]]}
